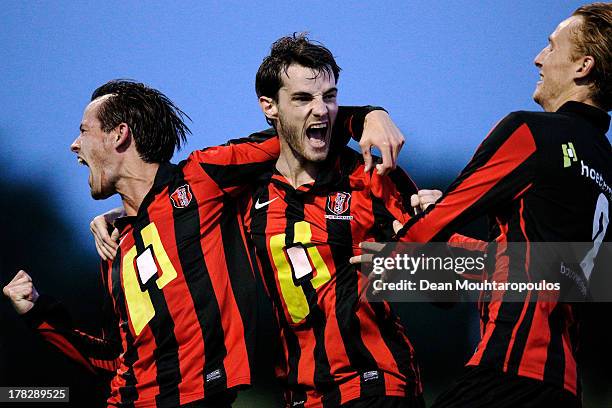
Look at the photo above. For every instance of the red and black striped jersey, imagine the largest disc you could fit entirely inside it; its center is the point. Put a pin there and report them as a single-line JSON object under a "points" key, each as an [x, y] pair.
{"points": [[181, 289], [540, 177], [181, 285], [336, 345]]}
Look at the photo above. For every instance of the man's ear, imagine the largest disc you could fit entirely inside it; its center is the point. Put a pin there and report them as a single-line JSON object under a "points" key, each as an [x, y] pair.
{"points": [[122, 136], [586, 65], [269, 108]]}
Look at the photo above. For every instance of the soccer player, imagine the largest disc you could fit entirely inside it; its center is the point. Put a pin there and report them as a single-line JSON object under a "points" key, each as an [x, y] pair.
{"points": [[306, 218], [540, 177], [180, 291]]}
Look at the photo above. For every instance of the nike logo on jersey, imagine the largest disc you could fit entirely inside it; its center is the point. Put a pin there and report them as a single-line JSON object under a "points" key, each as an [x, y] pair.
{"points": [[259, 205]]}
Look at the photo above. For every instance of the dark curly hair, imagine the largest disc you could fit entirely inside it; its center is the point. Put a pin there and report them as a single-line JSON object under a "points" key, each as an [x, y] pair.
{"points": [[296, 49]]}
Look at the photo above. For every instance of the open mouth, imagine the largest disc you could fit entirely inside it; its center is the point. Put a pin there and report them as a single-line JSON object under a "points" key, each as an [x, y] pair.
{"points": [[82, 161], [317, 134]]}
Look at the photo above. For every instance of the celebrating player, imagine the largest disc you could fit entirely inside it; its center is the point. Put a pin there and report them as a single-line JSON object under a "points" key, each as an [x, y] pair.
{"points": [[180, 290], [541, 177], [306, 219]]}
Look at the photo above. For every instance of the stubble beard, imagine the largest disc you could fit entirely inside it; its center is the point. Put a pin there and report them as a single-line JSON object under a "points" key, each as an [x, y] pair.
{"points": [[295, 139], [292, 137]]}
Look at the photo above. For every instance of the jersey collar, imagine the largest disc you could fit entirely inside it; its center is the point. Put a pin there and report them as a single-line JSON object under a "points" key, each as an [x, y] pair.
{"points": [[329, 175], [598, 117]]}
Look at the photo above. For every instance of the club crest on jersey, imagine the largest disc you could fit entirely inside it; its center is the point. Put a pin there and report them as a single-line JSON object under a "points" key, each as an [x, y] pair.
{"points": [[338, 205], [181, 197]]}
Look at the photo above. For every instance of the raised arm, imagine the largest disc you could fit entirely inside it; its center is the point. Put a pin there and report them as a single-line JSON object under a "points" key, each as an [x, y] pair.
{"points": [[51, 320]]}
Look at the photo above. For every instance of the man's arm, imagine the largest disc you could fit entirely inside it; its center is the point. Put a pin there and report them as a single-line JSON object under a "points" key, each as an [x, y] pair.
{"points": [[52, 322], [240, 161], [502, 169]]}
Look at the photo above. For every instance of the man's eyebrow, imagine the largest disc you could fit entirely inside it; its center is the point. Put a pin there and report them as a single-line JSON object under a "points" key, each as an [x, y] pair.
{"points": [[331, 90], [300, 93]]}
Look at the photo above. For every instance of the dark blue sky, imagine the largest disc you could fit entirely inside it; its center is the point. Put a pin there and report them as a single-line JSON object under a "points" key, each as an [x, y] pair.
{"points": [[447, 71]]}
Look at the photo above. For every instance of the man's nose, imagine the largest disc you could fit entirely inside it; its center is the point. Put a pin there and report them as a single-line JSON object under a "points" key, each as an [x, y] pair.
{"points": [[76, 144], [538, 59], [319, 108]]}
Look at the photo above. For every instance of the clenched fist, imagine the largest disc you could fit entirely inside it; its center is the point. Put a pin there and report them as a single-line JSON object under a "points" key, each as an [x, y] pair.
{"points": [[22, 292]]}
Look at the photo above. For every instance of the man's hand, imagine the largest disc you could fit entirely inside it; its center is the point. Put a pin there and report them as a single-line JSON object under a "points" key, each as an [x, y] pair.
{"points": [[106, 244], [419, 202], [369, 249], [380, 131], [423, 199], [21, 292]]}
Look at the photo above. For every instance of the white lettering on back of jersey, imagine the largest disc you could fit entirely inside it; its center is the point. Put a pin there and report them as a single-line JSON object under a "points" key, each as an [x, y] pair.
{"points": [[597, 177]]}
